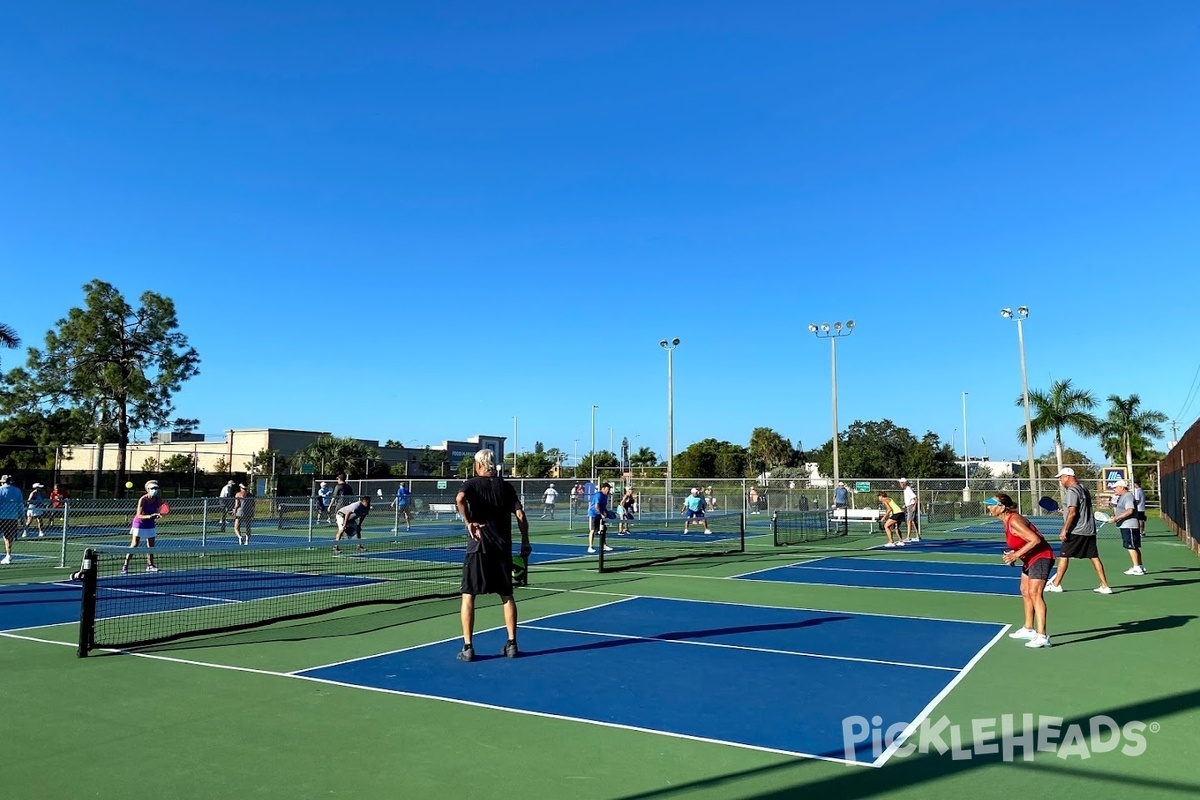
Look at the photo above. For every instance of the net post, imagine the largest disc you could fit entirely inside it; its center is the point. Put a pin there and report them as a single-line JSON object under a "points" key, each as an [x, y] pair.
{"points": [[87, 603], [774, 526], [741, 533], [603, 542], [312, 513], [62, 554], [203, 521]]}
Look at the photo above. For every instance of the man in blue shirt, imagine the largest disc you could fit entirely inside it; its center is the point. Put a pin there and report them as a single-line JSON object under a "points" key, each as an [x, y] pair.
{"points": [[401, 506], [597, 514], [693, 509], [841, 496], [12, 510]]}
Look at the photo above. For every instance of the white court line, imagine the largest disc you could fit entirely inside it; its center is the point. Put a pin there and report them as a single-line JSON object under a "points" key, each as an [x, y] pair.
{"points": [[780, 566], [883, 589], [745, 648], [905, 572], [451, 638], [925, 712]]}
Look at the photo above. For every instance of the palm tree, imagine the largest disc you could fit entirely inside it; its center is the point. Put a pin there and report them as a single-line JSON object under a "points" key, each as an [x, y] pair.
{"points": [[8, 337], [1062, 407], [1125, 425]]}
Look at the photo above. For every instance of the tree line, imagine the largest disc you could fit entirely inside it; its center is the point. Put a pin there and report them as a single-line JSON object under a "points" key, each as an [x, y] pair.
{"points": [[111, 367]]}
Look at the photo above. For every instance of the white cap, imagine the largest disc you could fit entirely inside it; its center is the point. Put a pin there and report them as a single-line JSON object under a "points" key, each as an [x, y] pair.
{"points": [[695, 490], [552, 486], [904, 480], [1065, 471], [38, 486], [151, 484], [1121, 484], [323, 483]]}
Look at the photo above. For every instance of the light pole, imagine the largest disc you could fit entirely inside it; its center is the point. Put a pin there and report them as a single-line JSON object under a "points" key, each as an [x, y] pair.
{"points": [[966, 456], [670, 346], [576, 458], [833, 333], [594, 407], [1020, 315], [515, 449]]}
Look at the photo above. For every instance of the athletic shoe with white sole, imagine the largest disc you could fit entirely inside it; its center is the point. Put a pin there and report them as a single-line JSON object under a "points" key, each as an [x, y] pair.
{"points": [[1052, 587], [1023, 633], [1102, 590], [1038, 641]]}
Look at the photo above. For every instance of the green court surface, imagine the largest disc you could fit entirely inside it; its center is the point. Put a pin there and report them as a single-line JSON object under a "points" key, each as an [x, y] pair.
{"points": [[223, 716]]}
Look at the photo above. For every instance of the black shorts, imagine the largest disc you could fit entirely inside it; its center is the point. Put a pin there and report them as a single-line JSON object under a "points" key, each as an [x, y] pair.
{"points": [[1140, 516], [897, 517], [1038, 570], [597, 525], [487, 573], [9, 528], [1079, 547]]}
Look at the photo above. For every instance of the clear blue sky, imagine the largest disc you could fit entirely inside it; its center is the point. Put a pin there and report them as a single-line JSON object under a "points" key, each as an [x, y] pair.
{"points": [[497, 210]]}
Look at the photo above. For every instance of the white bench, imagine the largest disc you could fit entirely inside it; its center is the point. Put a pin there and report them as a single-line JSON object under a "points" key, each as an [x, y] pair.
{"points": [[870, 516], [437, 509]]}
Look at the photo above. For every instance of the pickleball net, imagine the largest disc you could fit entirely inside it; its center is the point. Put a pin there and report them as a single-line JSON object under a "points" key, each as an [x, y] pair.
{"points": [[661, 539], [219, 590], [802, 527]]}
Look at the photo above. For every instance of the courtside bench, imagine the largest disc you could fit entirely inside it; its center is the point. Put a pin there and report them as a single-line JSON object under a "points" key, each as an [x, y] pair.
{"points": [[868, 516], [437, 509]]}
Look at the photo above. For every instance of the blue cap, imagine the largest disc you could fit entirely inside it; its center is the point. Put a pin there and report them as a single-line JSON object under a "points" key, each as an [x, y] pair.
{"points": [[991, 501]]}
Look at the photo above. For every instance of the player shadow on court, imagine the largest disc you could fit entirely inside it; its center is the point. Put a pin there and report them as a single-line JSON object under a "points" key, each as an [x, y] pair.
{"points": [[685, 635], [932, 774], [1157, 579], [1124, 629]]}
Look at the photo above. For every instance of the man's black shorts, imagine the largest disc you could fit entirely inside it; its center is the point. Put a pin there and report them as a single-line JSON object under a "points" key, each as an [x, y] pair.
{"points": [[1079, 547], [487, 573]]}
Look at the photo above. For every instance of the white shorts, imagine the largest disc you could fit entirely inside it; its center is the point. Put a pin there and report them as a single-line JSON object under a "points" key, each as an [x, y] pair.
{"points": [[143, 533]]}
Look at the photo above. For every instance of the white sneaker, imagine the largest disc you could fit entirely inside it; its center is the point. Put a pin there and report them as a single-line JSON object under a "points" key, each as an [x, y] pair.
{"points": [[1102, 590], [1052, 587], [890, 544], [151, 568], [1038, 641], [1023, 633], [6, 560], [900, 544], [1134, 571], [591, 549], [607, 549], [1142, 570]]}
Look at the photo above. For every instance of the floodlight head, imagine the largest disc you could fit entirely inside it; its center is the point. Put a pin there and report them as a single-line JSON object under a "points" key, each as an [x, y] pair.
{"points": [[675, 342], [1023, 311], [663, 343], [837, 326], [825, 327], [812, 328], [849, 324], [1006, 313]]}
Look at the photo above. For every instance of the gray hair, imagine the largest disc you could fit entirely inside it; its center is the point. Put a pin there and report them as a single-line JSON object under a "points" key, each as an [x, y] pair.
{"points": [[486, 461]]}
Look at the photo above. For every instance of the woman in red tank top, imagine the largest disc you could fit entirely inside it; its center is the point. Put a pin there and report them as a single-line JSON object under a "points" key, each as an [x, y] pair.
{"points": [[1026, 545]]}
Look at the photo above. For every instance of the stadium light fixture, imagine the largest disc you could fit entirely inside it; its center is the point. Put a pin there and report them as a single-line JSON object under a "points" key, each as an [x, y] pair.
{"points": [[670, 348], [833, 333], [1022, 314]]}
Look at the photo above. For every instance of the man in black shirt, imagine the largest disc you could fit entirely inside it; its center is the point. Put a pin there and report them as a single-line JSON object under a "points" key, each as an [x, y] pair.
{"points": [[487, 503]]}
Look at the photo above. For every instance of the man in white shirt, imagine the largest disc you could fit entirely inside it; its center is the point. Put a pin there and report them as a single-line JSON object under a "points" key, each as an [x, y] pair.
{"points": [[549, 497]]}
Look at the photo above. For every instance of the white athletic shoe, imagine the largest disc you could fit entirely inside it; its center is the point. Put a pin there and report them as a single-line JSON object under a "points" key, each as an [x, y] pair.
{"points": [[1136, 571], [900, 544], [1038, 641], [6, 560], [1052, 588], [1102, 590], [607, 549], [151, 568], [890, 544], [591, 550], [1023, 633]]}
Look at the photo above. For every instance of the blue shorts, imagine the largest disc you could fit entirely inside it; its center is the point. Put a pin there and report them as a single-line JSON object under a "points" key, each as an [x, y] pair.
{"points": [[1131, 539], [693, 514]]}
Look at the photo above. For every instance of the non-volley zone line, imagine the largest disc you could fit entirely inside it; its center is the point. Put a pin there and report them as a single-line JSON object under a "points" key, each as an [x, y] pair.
{"points": [[902, 574], [682, 668]]}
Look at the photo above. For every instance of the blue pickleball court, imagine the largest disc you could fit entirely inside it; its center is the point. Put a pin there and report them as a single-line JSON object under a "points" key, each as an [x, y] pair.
{"points": [[881, 573], [776, 679]]}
